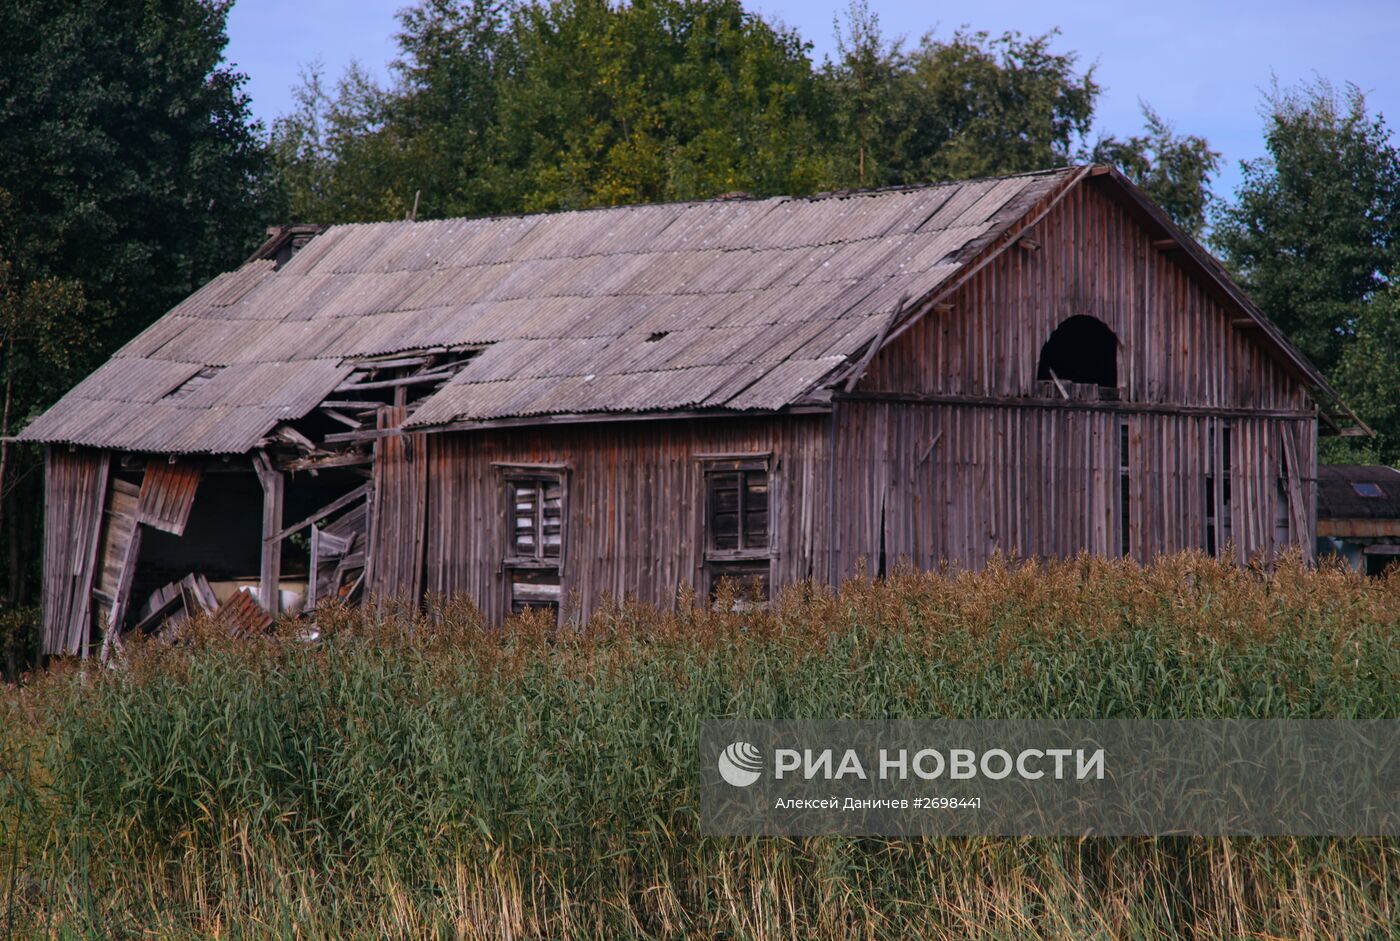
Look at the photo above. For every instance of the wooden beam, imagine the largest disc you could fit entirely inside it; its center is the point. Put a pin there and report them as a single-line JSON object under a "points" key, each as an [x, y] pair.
{"points": [[1092, 405], [352, 405], [876, 344], [111, 637], [392, 363], [418, 380], [270, 564], [533, 421], [1166, 245], [341, 417], [322, 462], [339, 503]]}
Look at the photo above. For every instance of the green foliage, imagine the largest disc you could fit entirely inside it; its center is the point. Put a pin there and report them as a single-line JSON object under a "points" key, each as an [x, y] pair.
{"points": [[429, 777], [668, 99], [130, 174], [559, 105], [1174, 170], [497, 107], [1368, 376], [968, 106], [128, 151], [1315, 227]]}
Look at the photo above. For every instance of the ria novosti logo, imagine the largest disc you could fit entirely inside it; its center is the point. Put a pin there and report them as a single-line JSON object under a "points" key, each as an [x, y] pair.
{"points": [[740, 764]]}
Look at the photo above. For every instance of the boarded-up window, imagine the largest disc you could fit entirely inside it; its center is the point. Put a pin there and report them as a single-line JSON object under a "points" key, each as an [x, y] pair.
{"points": [[534, 588]]}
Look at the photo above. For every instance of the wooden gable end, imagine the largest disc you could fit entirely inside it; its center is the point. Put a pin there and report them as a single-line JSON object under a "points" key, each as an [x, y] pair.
{"points": [[1180, 341]]}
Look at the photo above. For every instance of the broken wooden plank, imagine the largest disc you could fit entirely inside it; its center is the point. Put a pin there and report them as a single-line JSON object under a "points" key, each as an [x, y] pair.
{"points": [[289, 435], [341, 417], [339, 503], [876, 344], [167, 493], [242, 616], [418, 380], [313, 462], [353, 405]]}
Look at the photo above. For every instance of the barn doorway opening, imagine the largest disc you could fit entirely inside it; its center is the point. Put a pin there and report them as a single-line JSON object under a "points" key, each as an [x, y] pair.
{"points": [[1082, 349]]}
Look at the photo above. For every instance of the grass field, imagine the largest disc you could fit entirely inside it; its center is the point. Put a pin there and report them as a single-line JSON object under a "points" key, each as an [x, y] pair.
{"points": [[416, 775]]}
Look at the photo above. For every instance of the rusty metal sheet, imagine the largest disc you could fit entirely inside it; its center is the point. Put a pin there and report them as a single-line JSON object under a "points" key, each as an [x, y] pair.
{"points": [[167, 493]]}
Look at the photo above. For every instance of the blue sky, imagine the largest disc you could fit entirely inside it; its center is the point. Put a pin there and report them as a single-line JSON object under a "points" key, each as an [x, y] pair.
{"points": [[1202, 65]]}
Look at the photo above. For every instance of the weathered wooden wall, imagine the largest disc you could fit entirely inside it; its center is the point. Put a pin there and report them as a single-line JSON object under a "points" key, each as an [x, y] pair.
{"points": [[961, 482], [633, 503], [1017, 471], [1180, 345], [398, 521], [75, 485]]}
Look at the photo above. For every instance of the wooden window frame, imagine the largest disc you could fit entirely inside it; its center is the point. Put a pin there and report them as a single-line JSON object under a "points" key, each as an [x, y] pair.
{"points": [[510, 476], [718, 562], [741, 466]]}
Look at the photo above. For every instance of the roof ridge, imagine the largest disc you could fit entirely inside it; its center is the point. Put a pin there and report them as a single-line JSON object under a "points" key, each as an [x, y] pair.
{"points": [[727, 198]]}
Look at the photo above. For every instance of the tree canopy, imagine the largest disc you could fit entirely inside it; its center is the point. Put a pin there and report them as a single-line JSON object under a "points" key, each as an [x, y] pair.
{"points": [[1314, 234], [131, 172], [501, 107]]}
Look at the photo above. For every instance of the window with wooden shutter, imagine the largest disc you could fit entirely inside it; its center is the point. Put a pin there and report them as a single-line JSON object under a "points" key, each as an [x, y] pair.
{"points": [[738, 537], [534, 553], [737, 508], [537, 517]]}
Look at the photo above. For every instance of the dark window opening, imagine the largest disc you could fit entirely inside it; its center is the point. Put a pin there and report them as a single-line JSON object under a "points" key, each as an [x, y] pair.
{"points": [[1083, 350], [1376, 565], [1217, 486], [1124, 505]]}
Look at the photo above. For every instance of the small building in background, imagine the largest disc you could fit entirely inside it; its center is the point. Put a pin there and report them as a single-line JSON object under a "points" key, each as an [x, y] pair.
{"points": [[1358, 515]]}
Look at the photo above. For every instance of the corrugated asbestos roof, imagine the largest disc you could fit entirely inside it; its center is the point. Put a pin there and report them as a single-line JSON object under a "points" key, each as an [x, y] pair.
{"points": [[744, 304]]}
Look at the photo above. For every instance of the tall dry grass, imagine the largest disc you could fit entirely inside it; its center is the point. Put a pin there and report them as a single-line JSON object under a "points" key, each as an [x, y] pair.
{"points": [[417, 775]]}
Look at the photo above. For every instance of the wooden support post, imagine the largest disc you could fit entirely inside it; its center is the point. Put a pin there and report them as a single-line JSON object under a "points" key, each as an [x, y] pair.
{"points": [[270, 568], [111, 636]]}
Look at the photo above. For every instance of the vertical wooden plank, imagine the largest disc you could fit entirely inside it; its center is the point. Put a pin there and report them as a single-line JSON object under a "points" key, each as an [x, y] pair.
{"points": [[273, 484]]}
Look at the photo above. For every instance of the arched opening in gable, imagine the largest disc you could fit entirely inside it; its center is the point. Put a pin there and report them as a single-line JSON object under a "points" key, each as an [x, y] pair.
{"points": [[1081, 350]]}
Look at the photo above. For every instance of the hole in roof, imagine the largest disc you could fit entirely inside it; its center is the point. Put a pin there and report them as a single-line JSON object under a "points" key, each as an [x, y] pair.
{"points": [[194, 382], [1367, 490], [658, 335]]}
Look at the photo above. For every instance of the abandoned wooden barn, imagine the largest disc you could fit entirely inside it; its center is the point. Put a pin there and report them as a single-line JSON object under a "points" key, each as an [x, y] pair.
{"points": [[547, 409]]}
